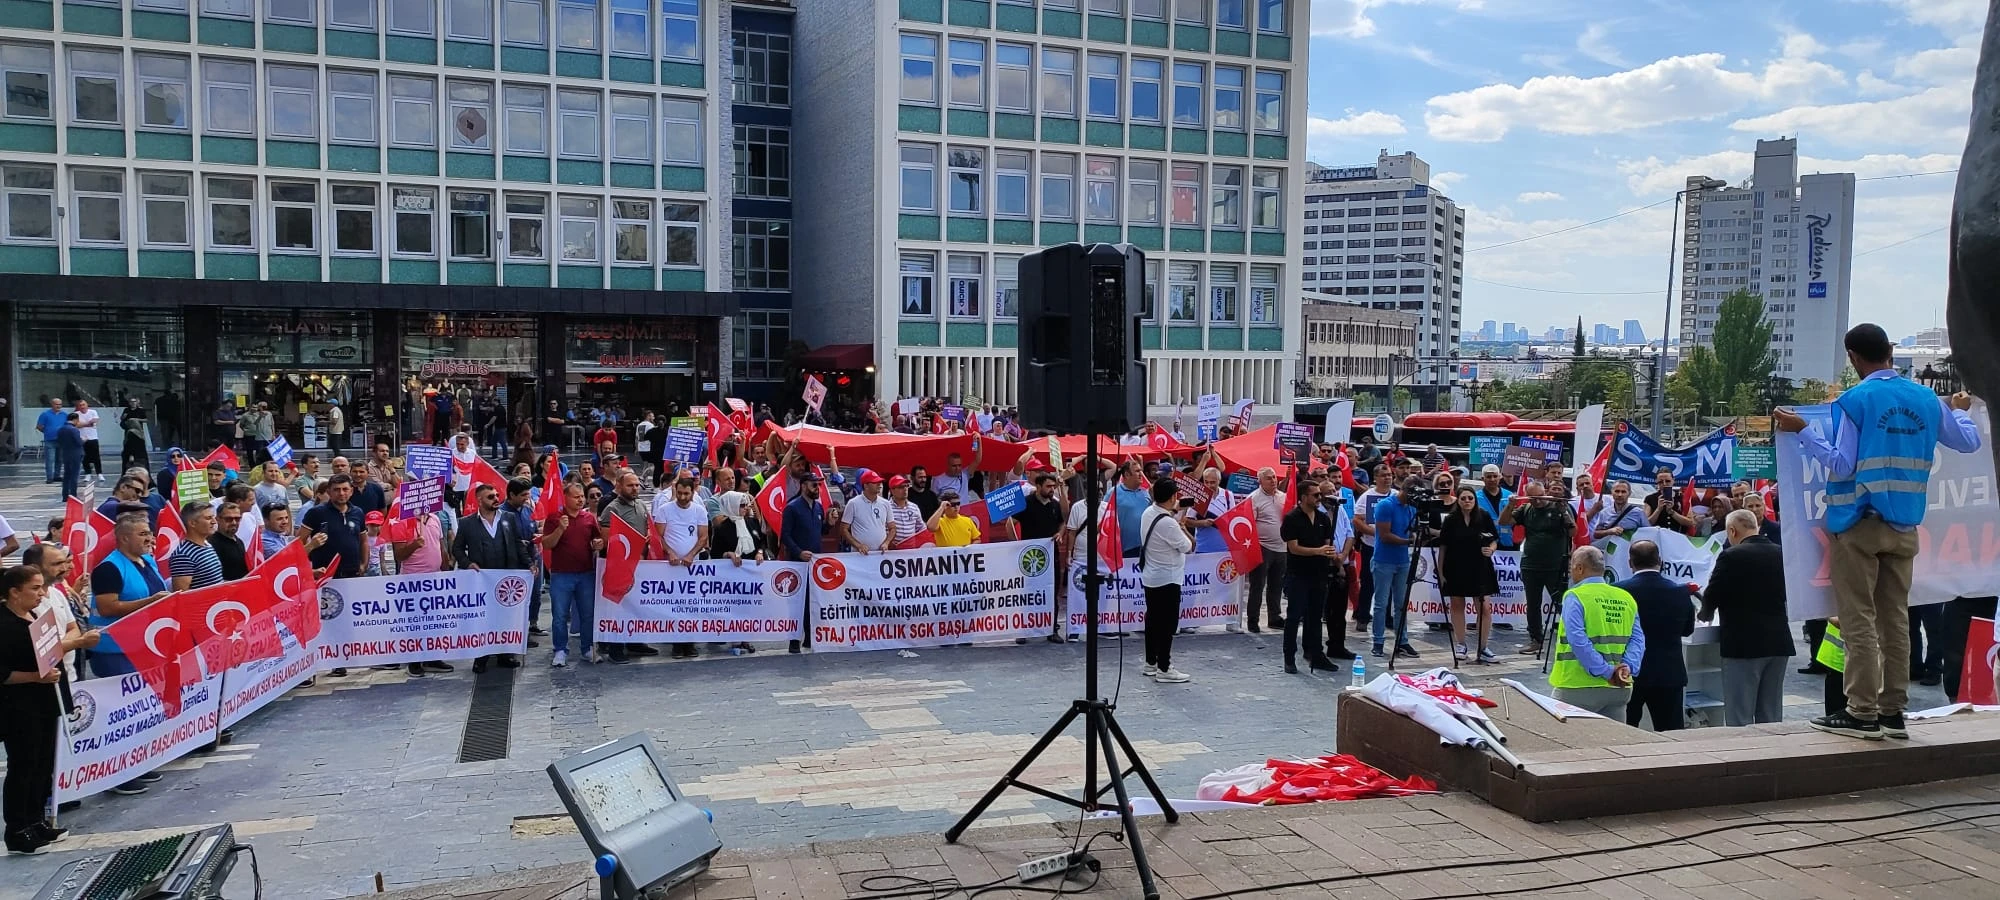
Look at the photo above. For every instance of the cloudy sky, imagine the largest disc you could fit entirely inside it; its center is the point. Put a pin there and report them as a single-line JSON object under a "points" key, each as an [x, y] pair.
{"points": [[1541, 115]]}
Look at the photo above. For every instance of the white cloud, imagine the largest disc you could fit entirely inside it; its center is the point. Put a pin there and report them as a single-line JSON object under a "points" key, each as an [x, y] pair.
{"points": [[1537, 197], [1652, 177], [1800, 45], [1947, 15], [1443, 181], [1933, 118], [1372, 123], [1944, 65], [1594, 42], [1349, 18], [1675, 89], [1871, 86]]}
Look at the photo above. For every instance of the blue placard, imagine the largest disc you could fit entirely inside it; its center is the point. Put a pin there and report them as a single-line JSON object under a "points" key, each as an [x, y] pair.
{"points": [[1637, 458], [1204, 432], [952, 414], [1488, 448], [1242, 482], [686, 445], [427, 461], [1553, 448], [1006, 502]]}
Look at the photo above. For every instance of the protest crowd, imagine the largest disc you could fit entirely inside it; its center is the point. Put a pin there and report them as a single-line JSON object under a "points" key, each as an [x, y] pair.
{"points": [[1314, 541]]}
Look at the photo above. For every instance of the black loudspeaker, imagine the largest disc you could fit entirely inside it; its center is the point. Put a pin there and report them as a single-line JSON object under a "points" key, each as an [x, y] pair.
{"points": [[1080, 366]]}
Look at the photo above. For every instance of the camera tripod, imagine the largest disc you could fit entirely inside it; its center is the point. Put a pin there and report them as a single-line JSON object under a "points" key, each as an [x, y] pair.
{"points": [[1100, 726], [1421, 534]]}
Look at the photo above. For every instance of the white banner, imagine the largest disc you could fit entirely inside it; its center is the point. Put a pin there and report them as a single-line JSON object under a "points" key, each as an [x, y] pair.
{"points": [[933, 597], [1210, 595], [416, 618], [1958, 545], [1510, 606], [249, 687], [116, 731], [1683, 560], [707, 601], [1340, 422]]}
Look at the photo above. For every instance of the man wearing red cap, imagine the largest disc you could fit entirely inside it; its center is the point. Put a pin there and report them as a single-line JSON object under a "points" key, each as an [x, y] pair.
{"points": [[905, 516], [867, 525]]}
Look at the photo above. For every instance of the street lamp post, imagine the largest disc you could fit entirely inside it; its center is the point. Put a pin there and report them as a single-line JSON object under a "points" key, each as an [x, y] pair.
{"points": [[1667, 316]]}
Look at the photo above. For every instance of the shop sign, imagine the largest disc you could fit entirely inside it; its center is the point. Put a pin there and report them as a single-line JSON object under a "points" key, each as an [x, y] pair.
{"points": [[454, 368], [635, 331], [632, 361], [445, 326]]}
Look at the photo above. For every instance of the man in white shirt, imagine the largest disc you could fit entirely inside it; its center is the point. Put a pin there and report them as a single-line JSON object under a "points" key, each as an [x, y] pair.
{"points": [[8, 542], [1163, 566], [954, 477], [1267, 581], [683, 527], [866, 526], [86, 425]]}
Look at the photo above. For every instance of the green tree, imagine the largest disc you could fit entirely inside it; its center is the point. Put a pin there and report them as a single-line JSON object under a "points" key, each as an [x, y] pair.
{"points": [[1848, 377], [1742, 345], [1697, 380], [1579, 336], [1746, 400], [1399, 401], [1811, 391]]}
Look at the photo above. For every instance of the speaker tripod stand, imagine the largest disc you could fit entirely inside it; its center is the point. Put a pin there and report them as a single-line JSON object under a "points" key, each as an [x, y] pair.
{"points": [[1101, 733]]}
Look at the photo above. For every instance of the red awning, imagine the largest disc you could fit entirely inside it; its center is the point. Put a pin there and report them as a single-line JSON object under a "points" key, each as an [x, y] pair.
{"points": [[839, 358]]}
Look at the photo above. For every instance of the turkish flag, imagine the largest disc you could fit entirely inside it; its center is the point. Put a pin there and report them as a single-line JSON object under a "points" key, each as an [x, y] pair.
{"points": [[1599, 466], [1346, 467], [289, 573], [1239, 533], [741, 416], [88, 536], [214, 616], [168, 535], [226, 455], [1110, 545], [719, 429], [977, 512], [771, 504], [480, 472], [550, 504], [656, 540], [623, 546], [918, 541], [156, 641]]}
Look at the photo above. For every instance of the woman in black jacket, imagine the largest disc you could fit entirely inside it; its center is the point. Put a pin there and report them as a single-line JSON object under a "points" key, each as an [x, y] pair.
{"points": [[32, 714], [1465, 569]]}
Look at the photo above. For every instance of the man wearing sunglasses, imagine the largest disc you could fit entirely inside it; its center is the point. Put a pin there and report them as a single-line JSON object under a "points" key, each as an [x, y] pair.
{"points": [[949, 526]]}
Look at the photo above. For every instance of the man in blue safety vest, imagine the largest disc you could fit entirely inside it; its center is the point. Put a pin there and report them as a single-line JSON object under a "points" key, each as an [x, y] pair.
{"points": [[1885, 435]]}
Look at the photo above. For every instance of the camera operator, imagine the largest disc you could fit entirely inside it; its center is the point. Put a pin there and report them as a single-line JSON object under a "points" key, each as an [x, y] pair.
{"points": [[1395, 522], [1163, 551]]}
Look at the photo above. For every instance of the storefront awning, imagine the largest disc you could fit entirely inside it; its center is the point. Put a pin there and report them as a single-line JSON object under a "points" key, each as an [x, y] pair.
{"points": [[839, 358]]}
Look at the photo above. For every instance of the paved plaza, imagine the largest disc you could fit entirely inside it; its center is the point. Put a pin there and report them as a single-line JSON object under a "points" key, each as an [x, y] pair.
{"points": [[359, 776]]}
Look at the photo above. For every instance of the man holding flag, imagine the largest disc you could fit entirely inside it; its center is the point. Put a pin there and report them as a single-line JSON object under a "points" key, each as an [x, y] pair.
{"points": [[127, 581], [801, 528]]}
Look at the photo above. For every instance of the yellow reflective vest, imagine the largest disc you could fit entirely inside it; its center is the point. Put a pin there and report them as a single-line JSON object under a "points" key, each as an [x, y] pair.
{"points": [[1609, 615]]}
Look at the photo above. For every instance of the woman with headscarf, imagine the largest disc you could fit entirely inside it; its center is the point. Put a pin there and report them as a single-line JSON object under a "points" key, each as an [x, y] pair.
{"points": [[736, 536]]}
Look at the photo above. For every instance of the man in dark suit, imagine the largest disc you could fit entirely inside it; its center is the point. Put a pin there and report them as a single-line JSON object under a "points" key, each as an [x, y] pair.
{"points": [[1666, 615], [488, 540], [1748, 587]]}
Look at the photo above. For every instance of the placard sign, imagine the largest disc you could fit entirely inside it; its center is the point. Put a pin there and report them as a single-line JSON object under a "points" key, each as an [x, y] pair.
{"points": [[934, 596], [47, 638], [427, 461], [1488, 448], [398, 619], [1753, 463], [706, 601], [1522, 459], [1294, 442], [191, 486], [685, 445], [419, 496]]}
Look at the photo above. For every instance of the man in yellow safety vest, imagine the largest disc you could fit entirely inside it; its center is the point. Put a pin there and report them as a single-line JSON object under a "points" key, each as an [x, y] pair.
{"points": [[1832, 655], [1599, 643]]}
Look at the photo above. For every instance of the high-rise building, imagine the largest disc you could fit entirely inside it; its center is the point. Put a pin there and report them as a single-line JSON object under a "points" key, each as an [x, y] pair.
{"points": [[1601, 333], [1350, 345], [1786, 239], [1508, 332], [1381, 234], [1634, 332], [1487, 332], [999, 128], [342, 206]]}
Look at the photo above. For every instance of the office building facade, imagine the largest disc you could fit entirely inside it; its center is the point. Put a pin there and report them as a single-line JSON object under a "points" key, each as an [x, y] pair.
{"points": [[1351, 348], [1380, 234], [1786, 239], [353, 204], [953, 138]]}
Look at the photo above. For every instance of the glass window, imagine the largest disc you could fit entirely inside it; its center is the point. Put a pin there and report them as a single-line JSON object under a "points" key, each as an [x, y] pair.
{"points": [[1188, 84], [471, 225], [29, 194], [1147, 304], [763, 161], [1271, 16], [576, 25], [1010, 183], [1100, 190], [1058, 187], [632, 128], [163, 90], [577, 113], [418, 17], [919, 177], [1006, 287], [579, 223], [1102, 90], [1195, 11], [294, 11], [1146, 90], [1229, 97], [963, 301], [1263, 295], [231, 97], [1222, 293], [469, 20], [1266, 189], [1149, 9], [919, 68], [968, 74], [178, 6], [631, 231], [680, 29], [763, 71], [412, 111], [527, 226], [631, 34], [919, 270], [1183, 291], [1270, 101], [95, 77], [1109, 7], [762, 254], [471, 114], [291, 94], [352, 111], [965, 169], [1187, 194], [682, 232], [416, 226], [351, 14], [1143, 189], [25, 73], [1013, 77], [524, 22], [1058, 82], [527, 118], [240, 9], [680, 122], [1229, 14], [353, 217], [294, 207], [231, 212]]}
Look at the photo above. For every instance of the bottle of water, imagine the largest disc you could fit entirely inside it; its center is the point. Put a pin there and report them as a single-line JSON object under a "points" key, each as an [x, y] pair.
{"points": [[1360, 672]]}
